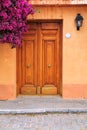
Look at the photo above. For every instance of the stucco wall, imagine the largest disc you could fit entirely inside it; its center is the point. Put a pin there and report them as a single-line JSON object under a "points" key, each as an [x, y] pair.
{"points": [[7, 72], [74, 75], [74, 48]]}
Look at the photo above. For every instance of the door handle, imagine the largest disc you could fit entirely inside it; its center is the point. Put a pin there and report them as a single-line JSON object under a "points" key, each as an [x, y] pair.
{"points": [[28, 65], [49, 65]]}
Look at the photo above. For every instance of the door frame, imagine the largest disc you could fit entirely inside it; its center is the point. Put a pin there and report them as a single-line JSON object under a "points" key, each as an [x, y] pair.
{"points": [[19, 58]]}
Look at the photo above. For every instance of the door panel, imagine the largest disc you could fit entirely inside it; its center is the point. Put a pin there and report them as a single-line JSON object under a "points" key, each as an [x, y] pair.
{"points": [[48, 60], [40, 59], [30, 56]]}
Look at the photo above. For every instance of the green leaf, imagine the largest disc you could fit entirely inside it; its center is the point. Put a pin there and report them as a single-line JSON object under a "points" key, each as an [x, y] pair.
{"points": [[1, 36]]}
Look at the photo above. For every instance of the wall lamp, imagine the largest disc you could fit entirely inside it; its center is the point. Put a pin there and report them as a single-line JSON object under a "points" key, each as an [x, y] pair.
{"points": [[79, 21]]}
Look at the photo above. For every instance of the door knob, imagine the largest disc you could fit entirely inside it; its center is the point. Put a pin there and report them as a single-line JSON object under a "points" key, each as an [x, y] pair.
{"points": [[49, 65], [28, 65]]}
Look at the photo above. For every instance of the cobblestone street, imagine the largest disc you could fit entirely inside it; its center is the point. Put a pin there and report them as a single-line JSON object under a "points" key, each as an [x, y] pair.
{"points": [[44, 122]]}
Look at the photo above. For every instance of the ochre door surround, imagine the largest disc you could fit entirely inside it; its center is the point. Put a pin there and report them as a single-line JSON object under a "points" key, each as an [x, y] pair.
{"points": [[39, 70]]}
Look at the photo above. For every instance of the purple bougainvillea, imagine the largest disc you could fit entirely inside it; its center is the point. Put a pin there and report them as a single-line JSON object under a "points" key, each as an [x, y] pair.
{"points": [[13, 20]]}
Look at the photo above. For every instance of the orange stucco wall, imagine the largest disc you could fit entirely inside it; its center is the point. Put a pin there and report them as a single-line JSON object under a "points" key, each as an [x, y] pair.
{"points": [[74, 54], [74, 48], [7, 72]]}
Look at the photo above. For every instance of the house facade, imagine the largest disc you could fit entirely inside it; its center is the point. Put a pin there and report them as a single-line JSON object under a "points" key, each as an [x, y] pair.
{"points": [[53, 56]]}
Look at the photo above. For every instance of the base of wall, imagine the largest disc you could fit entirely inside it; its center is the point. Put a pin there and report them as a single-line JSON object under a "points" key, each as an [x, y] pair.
{"points": [[74, 91], [7, 92]]}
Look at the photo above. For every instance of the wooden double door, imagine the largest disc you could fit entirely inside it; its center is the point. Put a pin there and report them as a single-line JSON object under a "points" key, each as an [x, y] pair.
{"points": [[41, 59]]}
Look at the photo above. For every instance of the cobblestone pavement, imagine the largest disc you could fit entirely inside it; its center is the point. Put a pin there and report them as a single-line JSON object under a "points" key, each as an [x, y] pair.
{"points": [[44, 122]]}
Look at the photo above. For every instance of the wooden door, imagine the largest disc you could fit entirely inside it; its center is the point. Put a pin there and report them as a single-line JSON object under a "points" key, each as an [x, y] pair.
{"points": [[40, 59], [50, 58], [29, 61]]}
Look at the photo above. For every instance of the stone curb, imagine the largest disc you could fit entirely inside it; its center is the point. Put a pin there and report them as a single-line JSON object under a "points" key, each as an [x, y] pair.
{"points": [[43, 111]]}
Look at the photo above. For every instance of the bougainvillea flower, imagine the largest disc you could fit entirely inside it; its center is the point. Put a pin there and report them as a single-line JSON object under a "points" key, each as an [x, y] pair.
{"points": [[13, 19]]}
